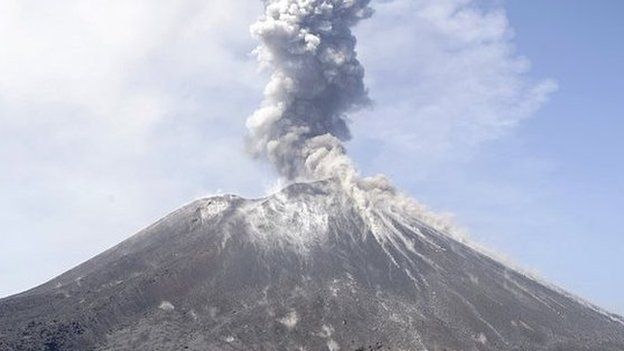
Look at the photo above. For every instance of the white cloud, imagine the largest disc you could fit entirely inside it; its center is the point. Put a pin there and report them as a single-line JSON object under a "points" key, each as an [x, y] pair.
{"points": [[445, 79], [111, 114]]}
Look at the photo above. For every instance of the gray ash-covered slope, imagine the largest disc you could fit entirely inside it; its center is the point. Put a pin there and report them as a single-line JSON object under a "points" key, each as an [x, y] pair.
{"points": [[304, 269]]}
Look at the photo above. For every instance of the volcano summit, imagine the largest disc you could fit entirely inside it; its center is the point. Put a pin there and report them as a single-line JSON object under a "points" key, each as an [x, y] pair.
{"points": [[307, 268]]}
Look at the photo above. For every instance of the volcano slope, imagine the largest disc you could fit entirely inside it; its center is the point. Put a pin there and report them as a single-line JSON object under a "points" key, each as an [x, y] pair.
{"points": [[303, 269]]}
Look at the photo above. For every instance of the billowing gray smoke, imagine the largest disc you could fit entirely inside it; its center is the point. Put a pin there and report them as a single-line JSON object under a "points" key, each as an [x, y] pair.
{"points": [[316, 79]]}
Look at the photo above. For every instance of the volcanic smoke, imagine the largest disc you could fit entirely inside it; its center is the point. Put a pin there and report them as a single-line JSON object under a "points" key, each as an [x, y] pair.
{"points": [[316, 79]]}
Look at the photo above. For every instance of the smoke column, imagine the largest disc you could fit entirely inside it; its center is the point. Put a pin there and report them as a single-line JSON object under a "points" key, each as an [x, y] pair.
{"points": [[316, 79]]}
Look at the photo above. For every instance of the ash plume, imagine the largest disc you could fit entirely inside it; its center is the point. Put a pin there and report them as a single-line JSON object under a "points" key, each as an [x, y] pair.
{"points": [[316, 79]]}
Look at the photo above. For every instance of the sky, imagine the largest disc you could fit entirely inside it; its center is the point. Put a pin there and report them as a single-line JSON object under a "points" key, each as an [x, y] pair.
{"points": [[504, 113]]}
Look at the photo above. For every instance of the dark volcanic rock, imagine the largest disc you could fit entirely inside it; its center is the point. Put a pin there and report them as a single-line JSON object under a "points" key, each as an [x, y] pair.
{"points": [[304, 269]]}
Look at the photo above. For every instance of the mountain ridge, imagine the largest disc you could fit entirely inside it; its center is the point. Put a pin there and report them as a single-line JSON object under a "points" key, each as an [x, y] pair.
{"points": [[305, 268]]}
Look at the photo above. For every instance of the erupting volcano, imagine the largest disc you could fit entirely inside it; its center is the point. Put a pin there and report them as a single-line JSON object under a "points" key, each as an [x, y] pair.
{"points": [[334, 261]]}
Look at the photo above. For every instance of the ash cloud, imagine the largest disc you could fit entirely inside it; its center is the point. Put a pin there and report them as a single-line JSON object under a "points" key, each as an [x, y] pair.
{"points": [[316, 80]]}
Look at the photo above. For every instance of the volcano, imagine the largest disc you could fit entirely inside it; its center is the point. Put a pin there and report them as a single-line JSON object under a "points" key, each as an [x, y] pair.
{"points": [[306, 268]]}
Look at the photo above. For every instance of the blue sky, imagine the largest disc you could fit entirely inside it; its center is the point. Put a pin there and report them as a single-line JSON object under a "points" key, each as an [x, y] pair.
{"points": [[590, 152], [573, 235], [506, 115], [550, 195], [580, 131]]}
